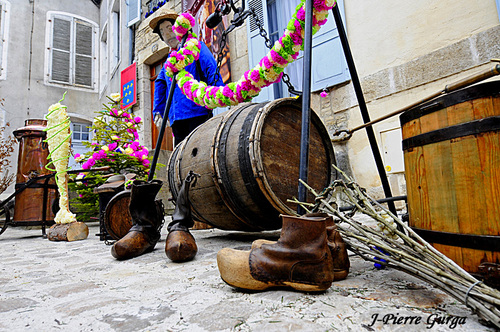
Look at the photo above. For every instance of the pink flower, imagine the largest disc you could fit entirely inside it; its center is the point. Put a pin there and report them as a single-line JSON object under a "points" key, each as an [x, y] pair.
{"points": [[301, 14], [112, 146], [323, 94], [137, 119]]}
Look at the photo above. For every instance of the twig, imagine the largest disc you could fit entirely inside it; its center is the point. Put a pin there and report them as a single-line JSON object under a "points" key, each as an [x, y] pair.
{"points": [[406, 250]]}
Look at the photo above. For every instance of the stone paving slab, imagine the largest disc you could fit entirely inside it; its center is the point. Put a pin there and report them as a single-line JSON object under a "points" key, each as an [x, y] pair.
{"points": [[79, 286]]}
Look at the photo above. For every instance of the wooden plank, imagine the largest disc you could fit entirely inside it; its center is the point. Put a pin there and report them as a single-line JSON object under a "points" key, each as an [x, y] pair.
{"points": [[442, 199], [416, 181], [469, 190], [460, 113]]}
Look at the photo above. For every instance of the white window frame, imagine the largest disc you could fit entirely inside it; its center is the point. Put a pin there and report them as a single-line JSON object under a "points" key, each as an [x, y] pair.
{"points": [[114, 37], [78, 146], [4, 37], [103, 59], [48, 51], [73, 130]]}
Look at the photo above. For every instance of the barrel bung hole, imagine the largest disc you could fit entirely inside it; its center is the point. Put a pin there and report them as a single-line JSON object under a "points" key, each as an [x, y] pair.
{"points": [[194, 152]]}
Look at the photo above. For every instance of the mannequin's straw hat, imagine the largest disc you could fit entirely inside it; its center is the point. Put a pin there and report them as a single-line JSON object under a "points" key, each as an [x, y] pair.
{"points": [[165, 14]]}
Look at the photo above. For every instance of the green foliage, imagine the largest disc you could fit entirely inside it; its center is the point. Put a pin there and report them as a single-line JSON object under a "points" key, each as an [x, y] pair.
{"points": [[115, 144]]}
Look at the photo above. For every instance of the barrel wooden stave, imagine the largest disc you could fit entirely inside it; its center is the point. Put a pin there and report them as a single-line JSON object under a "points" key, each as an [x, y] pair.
{"points": [[453, 185], [117, 218]]}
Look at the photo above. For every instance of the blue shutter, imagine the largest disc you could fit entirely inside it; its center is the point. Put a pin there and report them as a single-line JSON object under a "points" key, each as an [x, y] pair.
{"points": [[133, 12], [329, 66], [256, 44], [498, 8]]}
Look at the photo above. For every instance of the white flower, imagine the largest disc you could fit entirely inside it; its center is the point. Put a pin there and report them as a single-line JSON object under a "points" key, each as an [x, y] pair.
{"points": [[116, 97]]}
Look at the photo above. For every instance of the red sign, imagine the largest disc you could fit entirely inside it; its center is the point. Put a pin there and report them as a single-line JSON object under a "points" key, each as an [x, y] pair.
{"points": [[129, 86]]}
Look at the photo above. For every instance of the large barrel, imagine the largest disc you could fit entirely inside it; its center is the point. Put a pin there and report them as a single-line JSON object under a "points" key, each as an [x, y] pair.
{"points": [[248, 159], [32, 158], [452, 167]]}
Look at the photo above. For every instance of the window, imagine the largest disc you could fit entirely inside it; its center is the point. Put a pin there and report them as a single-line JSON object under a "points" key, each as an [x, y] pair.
{"points": [[4, 37], [80, 133], [133, 12], [328, 64], [114, 57], [71, 51], [104, 58]]}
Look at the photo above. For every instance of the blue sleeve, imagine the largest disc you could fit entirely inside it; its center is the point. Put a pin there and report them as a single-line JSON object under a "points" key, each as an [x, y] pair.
{"points": [[162, 84], [208, 64]]}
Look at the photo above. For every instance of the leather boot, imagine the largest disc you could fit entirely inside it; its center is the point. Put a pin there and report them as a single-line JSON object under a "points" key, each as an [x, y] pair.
{"points": [[300, 259], [341, 263], [181, 245], [336, 244], [147, 220]]}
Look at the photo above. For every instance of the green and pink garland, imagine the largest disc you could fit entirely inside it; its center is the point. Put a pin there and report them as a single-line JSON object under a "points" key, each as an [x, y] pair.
{"points": [[268, 71]]}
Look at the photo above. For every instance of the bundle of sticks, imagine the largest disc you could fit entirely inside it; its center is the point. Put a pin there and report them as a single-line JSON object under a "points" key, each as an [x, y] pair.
{"points": [[391, 242]]}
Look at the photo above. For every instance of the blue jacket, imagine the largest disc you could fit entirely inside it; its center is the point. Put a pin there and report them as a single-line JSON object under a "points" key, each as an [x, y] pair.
{"points": [[183, 108]]}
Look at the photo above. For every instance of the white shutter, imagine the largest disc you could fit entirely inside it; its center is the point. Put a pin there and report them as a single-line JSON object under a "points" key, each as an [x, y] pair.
{"points": [[115, 39], [329, 66], [83, 53], [61, 50], [133, 12], [256, 44]]}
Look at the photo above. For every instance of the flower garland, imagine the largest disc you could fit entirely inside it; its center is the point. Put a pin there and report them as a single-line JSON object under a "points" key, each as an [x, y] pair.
{"points": [[268, 71]]}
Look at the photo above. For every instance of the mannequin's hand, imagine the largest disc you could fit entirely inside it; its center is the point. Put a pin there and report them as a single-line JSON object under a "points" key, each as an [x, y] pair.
{"points": [[158, 119]]}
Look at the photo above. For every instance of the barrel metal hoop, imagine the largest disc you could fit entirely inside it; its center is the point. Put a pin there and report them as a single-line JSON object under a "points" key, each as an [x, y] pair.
{"points": [[472, 241], [35, 185], [247, 173], [228, 194], [475, 127], [490, 89]]}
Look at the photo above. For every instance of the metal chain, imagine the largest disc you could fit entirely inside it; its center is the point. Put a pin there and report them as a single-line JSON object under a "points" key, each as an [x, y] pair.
{"points": [[269, 45], [220, 57]]}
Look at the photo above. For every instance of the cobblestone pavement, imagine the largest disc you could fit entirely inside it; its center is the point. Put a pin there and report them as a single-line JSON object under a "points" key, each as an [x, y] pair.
{"points": [[78, 286]]}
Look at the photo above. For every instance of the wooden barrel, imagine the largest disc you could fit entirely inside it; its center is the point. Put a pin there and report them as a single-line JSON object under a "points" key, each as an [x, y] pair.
{"points": [[452, 167], [117, 218], [248, 162]]}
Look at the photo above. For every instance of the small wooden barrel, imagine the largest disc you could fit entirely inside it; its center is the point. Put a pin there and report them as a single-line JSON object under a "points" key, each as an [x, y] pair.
{"points": [[117, 218], [452, 166], [248, 162]]}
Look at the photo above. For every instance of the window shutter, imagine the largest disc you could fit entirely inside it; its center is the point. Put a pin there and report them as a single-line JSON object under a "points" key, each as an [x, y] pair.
{"points": [[256, 45], [61, 44], [83, 54], [133, 12], [329, 66], [115, 39]]}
